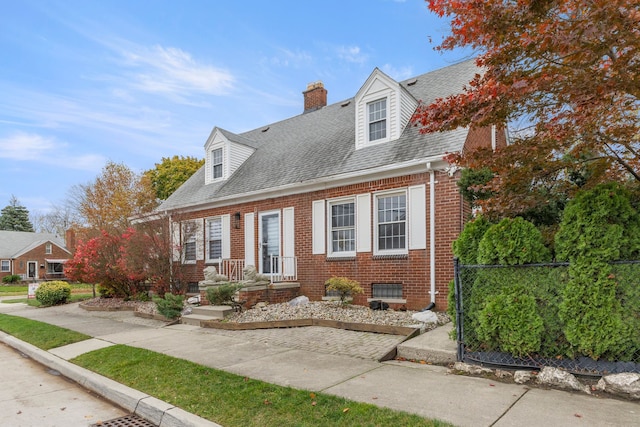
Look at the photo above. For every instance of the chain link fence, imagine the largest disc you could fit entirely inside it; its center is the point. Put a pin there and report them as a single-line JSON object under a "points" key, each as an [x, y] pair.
{"points": [[512, 316]]}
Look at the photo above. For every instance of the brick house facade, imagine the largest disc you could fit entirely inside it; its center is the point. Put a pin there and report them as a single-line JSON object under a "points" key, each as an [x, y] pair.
{"points": [[33, 256], [350, 189]]}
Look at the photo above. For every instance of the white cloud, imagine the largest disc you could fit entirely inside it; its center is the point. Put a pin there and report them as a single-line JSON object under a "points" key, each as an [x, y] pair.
{"points": [[24, 146], [37, 149], [351, 54], [398, 74], [173, 71]]}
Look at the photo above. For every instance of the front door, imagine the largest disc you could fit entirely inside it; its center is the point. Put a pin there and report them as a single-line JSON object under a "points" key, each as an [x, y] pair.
{"points": [[32, 269], [269, 241]]}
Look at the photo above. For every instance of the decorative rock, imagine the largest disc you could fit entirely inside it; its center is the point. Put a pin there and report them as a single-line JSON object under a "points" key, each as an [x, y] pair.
{"points": [[425, 317], [195, 300], [501, 373], [471, 369], [301, 300], [522, 377], [555, 377], [261, 305], [625, 384]]}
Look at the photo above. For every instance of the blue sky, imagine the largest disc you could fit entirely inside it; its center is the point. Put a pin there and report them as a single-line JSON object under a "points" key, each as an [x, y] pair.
{"points": [[131, 81]]}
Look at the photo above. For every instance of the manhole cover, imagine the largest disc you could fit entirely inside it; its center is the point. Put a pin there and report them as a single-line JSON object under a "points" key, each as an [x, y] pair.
{"points": [[126, 421]]}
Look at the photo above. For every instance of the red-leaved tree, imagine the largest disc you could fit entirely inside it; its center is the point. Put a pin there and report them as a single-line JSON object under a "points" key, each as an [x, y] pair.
{"points": [[565, 74]]}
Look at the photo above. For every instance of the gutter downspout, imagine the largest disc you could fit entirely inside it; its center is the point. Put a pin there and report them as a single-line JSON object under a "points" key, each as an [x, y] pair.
{"points": [[432, 233], [432, 237]]}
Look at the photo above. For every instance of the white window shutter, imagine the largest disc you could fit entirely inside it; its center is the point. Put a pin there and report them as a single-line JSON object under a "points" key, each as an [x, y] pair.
{"points": [[175, 241], [318, 219], [249, 240], [199, 238], [417, 213], [288, 232], [288, 238], [363, 222], [226, 236]]}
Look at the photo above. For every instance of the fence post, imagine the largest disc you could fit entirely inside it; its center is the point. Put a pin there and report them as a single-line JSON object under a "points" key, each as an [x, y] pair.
{"points": [[459, 309]]}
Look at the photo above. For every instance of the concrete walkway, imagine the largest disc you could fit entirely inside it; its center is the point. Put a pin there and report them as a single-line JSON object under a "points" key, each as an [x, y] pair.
{"points": [[426, 390]]}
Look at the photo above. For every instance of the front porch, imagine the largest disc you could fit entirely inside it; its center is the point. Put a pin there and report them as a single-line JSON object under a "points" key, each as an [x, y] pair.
{"points": [[281, 284]]}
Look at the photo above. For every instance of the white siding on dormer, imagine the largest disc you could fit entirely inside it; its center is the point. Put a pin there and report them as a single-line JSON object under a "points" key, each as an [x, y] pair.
{"points": [[238, 153], [400, 107], [408, 106]]}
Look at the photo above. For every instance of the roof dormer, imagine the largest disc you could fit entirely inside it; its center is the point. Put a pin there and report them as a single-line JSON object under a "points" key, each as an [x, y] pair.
{"points": [[383, 109], [224, 153]]}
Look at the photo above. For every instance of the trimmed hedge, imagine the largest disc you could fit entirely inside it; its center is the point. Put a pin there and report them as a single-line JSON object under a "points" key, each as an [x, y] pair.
{"points": [[53, 293]]}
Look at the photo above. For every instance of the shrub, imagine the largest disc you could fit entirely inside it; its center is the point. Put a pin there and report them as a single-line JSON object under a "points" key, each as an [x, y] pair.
{"points": [[344, 286], [222, 294], [512, 242], [598, 226], [465, 247], [509, 322], [11, 278], [53, 293], [170, 306]]}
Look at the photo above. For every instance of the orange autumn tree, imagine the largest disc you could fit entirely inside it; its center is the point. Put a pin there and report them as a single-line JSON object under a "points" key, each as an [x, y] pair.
{"points": [[565, 75]]}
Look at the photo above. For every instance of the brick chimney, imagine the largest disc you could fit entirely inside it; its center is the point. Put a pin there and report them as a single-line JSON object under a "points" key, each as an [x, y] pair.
{"points": [[315, 97]]}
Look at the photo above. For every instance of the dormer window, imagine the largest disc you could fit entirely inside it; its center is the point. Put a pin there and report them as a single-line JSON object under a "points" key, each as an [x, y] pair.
{"points": [[216, 163], [377, 119]]}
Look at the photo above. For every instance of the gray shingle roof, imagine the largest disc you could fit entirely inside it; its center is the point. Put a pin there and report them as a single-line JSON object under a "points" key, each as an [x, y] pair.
{"points": [[321, 144], [15, 243]]}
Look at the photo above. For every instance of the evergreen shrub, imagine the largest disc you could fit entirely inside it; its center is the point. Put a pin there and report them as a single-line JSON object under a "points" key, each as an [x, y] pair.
{"points": [[222, 294], [170, 306]]}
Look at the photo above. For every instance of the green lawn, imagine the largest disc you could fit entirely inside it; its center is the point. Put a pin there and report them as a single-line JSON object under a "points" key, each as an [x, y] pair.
{"points": [[42, 335], [232, 400], [35, 303]]}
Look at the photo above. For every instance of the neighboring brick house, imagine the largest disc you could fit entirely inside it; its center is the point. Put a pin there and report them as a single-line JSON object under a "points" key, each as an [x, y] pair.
{"points": [[34, 256], [349, 189]]}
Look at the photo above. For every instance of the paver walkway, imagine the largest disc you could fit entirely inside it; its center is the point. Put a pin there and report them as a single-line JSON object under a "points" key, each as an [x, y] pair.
{"points": [[363, 345]]}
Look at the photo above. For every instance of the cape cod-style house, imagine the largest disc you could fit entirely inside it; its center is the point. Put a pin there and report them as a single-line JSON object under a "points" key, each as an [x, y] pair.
{"points": [[349, 189]]}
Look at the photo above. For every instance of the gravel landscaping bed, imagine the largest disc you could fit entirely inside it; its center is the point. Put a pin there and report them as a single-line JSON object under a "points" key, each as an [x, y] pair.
{"points": [[325, 310]]}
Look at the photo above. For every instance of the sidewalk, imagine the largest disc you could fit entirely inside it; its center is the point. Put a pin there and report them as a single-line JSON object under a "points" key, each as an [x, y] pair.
{"points": [[425, 390]]}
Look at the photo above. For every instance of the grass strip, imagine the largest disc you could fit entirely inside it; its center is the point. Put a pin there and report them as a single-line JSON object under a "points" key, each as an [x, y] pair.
{"points": [[35, 303], [233, 400], [42, 335]]}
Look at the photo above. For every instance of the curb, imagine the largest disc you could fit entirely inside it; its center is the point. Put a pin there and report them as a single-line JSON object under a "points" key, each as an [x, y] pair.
{"points": [[143, 405]]}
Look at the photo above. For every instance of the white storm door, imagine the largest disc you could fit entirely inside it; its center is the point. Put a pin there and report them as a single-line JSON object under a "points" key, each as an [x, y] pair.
{"points": [[269, 235]]}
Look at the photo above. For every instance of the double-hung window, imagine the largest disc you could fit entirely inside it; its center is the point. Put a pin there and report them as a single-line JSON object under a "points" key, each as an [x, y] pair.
{"points": [[391, 223], [47, 249], [217, 163], [5, 265], [377, 112], [342, 228], [189, 230], [214, 239]]}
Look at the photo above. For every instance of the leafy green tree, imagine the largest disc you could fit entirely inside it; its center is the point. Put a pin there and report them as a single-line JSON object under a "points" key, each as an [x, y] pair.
{"points": [[171, 173], [15, 217]]}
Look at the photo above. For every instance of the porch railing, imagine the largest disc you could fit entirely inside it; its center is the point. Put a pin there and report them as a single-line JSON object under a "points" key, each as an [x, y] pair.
{"points": [[284, 268], [233, 269]]}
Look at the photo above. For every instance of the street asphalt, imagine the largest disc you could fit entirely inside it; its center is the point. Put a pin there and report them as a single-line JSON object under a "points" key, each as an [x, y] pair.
{"points": [[288, 357]]}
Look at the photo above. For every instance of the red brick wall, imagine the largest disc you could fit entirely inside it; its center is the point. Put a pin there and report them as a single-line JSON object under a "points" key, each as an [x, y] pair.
{"points": [[38, 255], [412, 271]]}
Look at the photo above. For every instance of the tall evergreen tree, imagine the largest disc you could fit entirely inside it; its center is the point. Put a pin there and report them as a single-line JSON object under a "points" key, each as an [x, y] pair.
{"points": [[15, 217]]}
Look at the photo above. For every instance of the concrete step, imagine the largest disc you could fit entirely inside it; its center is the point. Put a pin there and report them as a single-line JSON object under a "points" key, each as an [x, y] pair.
{"points": [[213, 311], [434, 347]]}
